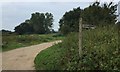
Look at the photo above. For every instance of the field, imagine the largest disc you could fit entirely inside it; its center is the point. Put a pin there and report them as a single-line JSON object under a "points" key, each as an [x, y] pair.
{"points": [[99, 52], [10, 42]]}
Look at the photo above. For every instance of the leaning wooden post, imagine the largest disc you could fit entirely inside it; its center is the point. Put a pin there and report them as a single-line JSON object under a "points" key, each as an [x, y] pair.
{"points": [[80, 37]]}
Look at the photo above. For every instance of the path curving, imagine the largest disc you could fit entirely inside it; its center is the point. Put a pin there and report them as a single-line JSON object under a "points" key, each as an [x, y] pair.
{"points": [[23, 58]]}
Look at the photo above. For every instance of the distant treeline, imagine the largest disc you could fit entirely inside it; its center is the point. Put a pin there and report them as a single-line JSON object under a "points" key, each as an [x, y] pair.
{"points": [[7, 32], [96, 14]]}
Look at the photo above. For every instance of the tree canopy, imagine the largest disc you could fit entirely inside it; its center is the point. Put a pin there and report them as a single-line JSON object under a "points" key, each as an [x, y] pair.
{"points": [[70, 21], [95, 14], [39, 23]]}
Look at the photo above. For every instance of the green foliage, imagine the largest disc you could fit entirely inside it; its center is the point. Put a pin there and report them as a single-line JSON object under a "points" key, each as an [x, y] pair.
{"points": [[60, 56], [95, 14], [50, 59], [39, 23], [10, 42], [70, 21], [24, 28], [99, 51], [70, 43]]}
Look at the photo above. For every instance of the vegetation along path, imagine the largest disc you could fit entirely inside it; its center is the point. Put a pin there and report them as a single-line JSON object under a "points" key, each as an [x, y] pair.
{"points": [[23, 58]]}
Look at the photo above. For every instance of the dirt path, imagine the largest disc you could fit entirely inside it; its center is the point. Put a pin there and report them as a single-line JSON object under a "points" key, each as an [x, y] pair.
{"points": [[23, 58]]}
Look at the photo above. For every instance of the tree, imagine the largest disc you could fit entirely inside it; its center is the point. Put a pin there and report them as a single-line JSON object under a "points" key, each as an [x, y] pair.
{"points": [[24, 28], [100, 15], [95, 14], [39, 23], [92, 14], [48, 22], [70, 21]]}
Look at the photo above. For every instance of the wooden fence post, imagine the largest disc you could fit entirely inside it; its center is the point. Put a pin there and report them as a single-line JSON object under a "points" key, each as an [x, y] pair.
{"points": [[80, 37]]}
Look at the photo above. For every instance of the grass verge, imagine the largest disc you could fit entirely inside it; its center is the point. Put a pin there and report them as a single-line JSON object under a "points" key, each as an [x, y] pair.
{"points": [[10, 42], [50, 58]]}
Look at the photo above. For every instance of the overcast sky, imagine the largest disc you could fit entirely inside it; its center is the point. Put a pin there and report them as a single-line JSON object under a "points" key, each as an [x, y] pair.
{"points": [[14, 13]]}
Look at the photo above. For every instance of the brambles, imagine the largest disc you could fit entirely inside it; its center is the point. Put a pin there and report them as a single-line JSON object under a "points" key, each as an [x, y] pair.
{"points": [[99, 52], [100, 49]]}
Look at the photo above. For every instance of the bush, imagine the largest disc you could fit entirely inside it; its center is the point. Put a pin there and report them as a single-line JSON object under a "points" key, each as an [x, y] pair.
{"points": [[99, 51]]}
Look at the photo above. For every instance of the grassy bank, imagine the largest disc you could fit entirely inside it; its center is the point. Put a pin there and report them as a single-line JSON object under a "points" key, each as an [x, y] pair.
{"points": [[49, 59], [99, 52], [16, 41]]}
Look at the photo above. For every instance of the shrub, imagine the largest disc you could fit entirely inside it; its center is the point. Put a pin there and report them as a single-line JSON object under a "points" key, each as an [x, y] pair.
{"points": [[100, 51]]}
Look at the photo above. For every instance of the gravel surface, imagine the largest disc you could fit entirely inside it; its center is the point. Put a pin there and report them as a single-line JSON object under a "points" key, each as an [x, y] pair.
{"points": [[23, 58]]}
